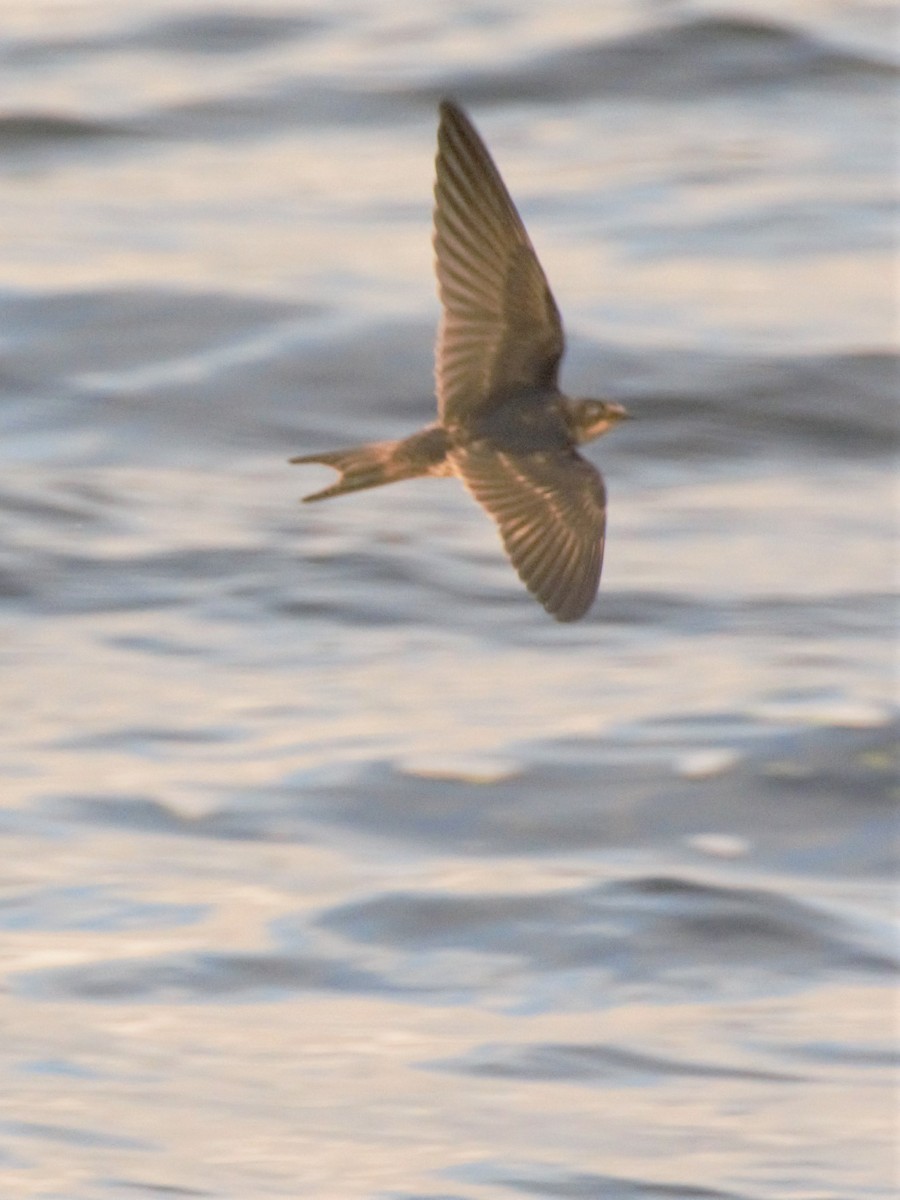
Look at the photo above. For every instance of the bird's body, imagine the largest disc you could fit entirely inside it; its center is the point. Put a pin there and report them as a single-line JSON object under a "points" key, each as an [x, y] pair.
{"points": [[503, 427]]}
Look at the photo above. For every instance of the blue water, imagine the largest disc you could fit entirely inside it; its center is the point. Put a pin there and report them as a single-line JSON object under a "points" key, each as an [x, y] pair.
{"points": [[334, 867]]}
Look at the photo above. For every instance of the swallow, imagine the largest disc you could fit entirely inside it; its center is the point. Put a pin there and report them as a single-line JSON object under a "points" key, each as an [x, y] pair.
{"points": [[504, 428]]}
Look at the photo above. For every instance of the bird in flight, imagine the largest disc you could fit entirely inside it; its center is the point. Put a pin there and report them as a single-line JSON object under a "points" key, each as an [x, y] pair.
{"points": [[504, 428]]}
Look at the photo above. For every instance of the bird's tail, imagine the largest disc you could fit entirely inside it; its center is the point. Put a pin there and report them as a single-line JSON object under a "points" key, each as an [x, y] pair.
{"points": [[361, 467]]}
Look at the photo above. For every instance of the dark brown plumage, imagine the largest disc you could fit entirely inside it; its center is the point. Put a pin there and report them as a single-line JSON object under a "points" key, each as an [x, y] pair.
{"points": [[503, 425]]}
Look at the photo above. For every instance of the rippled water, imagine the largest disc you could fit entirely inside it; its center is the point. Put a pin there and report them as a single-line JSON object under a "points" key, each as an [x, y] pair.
{"points": [[333, 867]]}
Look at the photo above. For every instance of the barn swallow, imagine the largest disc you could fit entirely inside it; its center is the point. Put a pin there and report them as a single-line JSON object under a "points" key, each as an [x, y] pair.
{"points": [[504, 428]]}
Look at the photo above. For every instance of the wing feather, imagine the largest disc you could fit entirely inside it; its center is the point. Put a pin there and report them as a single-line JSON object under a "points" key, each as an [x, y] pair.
{"points": [[550, 508]]}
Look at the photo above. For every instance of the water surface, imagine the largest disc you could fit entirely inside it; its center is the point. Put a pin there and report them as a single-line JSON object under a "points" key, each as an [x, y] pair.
{"points": [[334, 867]]}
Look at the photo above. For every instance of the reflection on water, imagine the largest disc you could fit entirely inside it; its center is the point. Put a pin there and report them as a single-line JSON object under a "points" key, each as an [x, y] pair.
{"points": [[333, 867]]}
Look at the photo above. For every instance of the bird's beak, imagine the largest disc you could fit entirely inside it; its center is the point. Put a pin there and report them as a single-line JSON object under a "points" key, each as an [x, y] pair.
{"points": [[620, 412]]}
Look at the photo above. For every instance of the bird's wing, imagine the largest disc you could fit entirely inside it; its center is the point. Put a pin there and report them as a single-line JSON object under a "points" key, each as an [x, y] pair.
{"points": [[500, 328], [551, 511]]}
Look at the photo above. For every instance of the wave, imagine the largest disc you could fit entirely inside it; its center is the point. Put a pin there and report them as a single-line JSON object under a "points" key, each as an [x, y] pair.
{"points": [[689, 59]]}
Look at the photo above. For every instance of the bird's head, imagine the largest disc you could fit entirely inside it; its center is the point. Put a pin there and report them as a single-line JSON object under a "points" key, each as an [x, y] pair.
{"points": [[590, 419]]}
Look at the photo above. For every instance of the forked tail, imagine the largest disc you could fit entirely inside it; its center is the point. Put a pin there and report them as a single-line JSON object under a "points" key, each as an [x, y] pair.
{"points": [[360, 467]]}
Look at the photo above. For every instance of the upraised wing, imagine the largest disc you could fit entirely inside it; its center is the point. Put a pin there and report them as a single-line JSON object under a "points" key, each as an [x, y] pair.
{"points": [[500, 328]]}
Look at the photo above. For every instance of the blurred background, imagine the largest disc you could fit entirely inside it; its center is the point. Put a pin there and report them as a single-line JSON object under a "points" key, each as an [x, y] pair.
{"points": [[332, 866]]}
